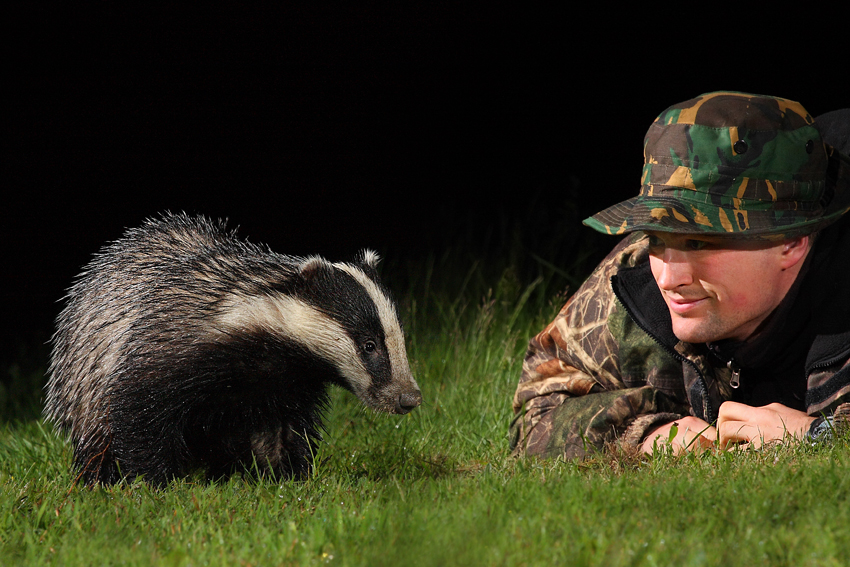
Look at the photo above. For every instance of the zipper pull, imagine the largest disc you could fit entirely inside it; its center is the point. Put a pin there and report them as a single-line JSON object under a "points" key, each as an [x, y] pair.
{"points": [[735, 382]]}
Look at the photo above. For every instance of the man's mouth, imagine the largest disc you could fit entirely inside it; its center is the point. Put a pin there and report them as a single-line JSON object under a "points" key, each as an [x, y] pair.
{"points": [[683, 305]]}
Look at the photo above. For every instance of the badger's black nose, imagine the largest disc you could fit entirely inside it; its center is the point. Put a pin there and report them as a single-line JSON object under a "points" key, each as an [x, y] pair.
{"points": [[409, 400]]}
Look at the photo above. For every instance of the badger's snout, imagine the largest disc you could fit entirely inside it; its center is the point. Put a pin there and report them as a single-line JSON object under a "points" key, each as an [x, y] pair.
{"points": [[408, 401]]}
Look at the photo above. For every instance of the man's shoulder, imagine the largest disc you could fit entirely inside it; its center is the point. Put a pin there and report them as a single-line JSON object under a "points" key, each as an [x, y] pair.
{"points": [[630, 252], [594, 299]]}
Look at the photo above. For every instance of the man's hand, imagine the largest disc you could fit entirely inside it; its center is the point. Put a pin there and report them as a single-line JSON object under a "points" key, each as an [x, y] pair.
{"points": [[737, 425], [740, 423], [692, 434]]}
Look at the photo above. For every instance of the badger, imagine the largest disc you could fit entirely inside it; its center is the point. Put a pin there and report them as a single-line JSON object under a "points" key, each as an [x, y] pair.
{"points": [[183, 347]]}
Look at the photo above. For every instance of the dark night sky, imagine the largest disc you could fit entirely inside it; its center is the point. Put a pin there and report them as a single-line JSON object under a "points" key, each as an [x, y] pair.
{"points": [[327, 130]]}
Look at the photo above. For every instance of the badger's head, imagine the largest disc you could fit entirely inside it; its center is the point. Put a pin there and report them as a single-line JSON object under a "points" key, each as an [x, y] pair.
{"points": [[358, 331], [341, 314]]}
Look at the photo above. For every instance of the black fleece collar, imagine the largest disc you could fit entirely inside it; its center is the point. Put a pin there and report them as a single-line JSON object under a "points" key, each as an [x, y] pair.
{"points": [[637, 291]]}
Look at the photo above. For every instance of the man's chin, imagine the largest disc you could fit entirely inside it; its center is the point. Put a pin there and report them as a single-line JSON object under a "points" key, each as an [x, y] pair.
{"points": [[694, 330]]}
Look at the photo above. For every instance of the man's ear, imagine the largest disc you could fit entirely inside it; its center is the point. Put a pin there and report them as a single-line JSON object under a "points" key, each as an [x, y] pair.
{"points": [[794, 251]]}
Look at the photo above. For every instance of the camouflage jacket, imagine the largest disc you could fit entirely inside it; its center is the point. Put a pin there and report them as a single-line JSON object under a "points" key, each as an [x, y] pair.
{"points": [[609, 368]]}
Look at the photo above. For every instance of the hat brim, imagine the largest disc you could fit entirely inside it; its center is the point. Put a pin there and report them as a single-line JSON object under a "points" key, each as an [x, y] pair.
{"points": [[667, 211]]}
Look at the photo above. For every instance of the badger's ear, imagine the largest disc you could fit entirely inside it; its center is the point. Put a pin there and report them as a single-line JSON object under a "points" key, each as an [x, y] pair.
{"points": [[314, 266], [369, 258]]}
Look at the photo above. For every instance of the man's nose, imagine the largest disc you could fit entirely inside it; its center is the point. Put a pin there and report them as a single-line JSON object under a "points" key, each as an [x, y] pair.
{"points": [[675, 270]]}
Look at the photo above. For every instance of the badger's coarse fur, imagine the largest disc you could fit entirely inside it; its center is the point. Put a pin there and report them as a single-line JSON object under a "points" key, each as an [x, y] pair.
{"points": [[183, 347]]}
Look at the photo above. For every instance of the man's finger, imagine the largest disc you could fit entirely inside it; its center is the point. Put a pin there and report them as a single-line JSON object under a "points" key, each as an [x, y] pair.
{"points": [[734, 411], [699, 443], [734, 432]]}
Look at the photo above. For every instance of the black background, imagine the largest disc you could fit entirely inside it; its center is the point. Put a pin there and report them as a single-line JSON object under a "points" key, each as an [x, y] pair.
{"points": [[326, 129]]}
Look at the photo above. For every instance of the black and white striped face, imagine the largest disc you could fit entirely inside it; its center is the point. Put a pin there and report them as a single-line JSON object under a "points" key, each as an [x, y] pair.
{"points": [[342, 314]]}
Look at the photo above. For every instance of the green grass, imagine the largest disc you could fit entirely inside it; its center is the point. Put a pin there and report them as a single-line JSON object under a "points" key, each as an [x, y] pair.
{"points": [[437, 486]]}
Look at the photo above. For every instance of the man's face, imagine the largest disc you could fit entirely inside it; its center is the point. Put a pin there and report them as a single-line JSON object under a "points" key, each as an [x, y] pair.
{"points": [[717, 288]]}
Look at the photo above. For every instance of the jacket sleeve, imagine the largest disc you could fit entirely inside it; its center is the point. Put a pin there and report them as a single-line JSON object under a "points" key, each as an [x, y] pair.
{"points": [[573, 395]]}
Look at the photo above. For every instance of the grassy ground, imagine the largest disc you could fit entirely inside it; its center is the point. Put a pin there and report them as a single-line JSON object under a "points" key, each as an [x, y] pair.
{"points": [[437, 487]]}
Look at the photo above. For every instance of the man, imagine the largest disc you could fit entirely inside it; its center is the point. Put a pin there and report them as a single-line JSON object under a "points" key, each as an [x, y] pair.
{"points": [[723, 318]]}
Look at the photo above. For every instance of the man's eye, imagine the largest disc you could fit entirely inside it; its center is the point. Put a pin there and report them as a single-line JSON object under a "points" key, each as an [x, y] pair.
{"points": [[654, 241], [696, 244]]}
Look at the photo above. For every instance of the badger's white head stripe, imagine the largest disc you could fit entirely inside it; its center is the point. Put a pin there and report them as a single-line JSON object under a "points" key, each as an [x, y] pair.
{"points": [[389, 320]]}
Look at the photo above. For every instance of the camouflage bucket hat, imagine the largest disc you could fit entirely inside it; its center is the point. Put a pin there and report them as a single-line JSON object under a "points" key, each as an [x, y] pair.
{"points": [[734, 164]]}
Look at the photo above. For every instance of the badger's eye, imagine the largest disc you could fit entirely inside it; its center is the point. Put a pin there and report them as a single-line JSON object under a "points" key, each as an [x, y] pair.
{"points": [[370, 346]]}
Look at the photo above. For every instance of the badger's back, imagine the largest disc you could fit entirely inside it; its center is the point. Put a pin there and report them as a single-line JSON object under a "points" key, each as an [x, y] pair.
{"points": [[183, 346]]}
